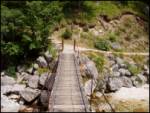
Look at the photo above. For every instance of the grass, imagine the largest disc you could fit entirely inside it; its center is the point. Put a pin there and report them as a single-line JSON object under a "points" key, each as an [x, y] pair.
{"points": [[67, 34], [86, 39], [131, 106], [133, 69], [98, 59], [138, 59], [104, 9], [112, 37], [42, 70], [117, 9], [102, 44], [11, 71]]}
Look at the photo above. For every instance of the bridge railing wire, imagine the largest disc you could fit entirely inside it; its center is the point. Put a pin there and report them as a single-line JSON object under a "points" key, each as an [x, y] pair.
{"points": [[51, 76], [93, 80]]}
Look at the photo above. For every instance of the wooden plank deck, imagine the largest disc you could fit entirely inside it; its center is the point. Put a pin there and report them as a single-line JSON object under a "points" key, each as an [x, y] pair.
{"points": [[67, 94]]}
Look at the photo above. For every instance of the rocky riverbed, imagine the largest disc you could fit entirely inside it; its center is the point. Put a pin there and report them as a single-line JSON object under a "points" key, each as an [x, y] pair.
{"points": [[125, 90], [27, 92]]}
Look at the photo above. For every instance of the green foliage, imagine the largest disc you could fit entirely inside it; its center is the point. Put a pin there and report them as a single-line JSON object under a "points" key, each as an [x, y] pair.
{"points": [[11, 71], [53, 51], [109, 9], [67, 34], [85, 28], [10, 49], [25, 29], [102, 44], [134, 69], [112, 37], [99, 60], [42, 70], [139, 59]]}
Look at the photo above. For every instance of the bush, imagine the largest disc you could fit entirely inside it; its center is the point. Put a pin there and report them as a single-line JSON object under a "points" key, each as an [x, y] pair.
{"points": [[85, 29], [42, 70], [53, 51], [134, 69], [102, 45], [112, 37], [99, 60], [67, 34], [11, 71]]}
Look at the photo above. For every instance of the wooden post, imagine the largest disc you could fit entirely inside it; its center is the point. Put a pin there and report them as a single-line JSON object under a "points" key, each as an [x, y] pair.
{"points": [[62, 44], [74, 45]]}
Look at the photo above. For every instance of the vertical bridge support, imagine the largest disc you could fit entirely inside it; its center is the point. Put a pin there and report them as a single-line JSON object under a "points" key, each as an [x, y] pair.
{"points": [[74, 46], [62, 44]]}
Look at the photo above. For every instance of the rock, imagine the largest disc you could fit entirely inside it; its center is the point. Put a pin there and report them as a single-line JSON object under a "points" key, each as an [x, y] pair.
{"points": [[90, 84], [8, 105], [115, 45], [84, 59], [2, 73], [142, 78], [98, 94], [138, 80], [36, 73], [101, 85], [20, 68], [12, 88], [104, 107], [96, 33], [6, 80], [33, 81], [26, 109], [30, 70], [111, 57], [116, 74], [44, 98], [52, 64], [29, 94], [146, 72], [19, 77], [48, 56], [126, 82], [114, 83], [42, 62], [123, 66], [124, 72], [115, 67], [26, 76], [21, 102], [35, 66], [112, 62], [14, 96], [119, 60], [91, 70], [43, 78], [145, 68]]}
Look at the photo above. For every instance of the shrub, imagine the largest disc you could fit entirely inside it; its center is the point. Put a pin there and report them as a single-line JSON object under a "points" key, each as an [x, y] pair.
{"points": [[53, 51], [85, 29], [42, 70], [102, 45], [134, 69], [99, 61], [11, 71], [112, 37], [67, 34]]}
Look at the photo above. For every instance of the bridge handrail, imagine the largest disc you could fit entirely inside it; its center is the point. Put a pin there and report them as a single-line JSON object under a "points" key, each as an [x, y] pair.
{"points": [[85, 101], [78, 55]]}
